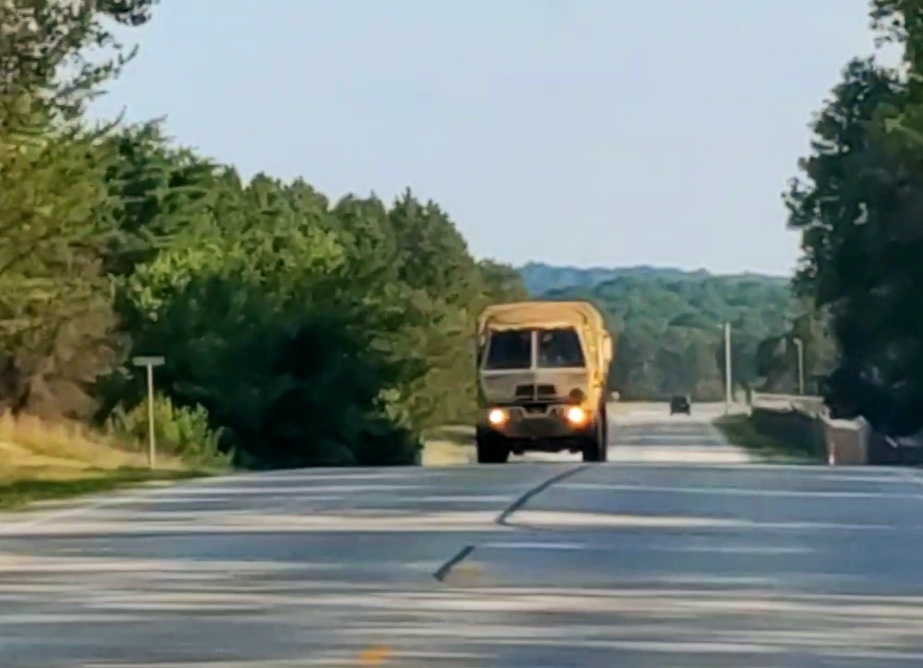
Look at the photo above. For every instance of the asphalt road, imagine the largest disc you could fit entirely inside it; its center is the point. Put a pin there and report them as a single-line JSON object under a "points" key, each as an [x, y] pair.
{"points": [[680, 553]]}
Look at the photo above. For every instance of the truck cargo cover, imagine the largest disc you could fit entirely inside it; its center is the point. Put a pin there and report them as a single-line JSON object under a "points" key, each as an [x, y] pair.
{"points": [[541, 313]]}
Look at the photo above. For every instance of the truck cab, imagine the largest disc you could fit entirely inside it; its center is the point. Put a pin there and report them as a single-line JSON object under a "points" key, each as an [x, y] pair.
{"points": [[542, 370]]}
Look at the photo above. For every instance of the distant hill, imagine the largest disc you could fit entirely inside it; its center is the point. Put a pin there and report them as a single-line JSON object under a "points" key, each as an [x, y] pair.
{"points": [[668, 322], [540, 278]]}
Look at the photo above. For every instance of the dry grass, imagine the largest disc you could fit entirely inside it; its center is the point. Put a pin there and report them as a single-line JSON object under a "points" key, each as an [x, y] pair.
{"points": [[28, 443], [447, 446], [43, 460]]}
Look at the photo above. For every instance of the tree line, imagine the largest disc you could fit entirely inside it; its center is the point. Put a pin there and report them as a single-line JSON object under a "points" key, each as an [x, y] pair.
{"points": [[857, 203], [296, 330], [668, 325]]}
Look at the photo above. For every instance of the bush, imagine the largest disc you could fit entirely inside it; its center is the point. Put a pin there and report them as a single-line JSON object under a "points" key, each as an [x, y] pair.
{"points": [[184, 432]]}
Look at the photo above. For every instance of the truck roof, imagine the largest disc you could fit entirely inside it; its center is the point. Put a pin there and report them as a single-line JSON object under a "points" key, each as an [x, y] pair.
{"points": [[515, 315]]}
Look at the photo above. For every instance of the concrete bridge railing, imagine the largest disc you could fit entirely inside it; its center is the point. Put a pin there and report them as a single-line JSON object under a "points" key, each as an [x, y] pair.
{"points": [[804, 422]]}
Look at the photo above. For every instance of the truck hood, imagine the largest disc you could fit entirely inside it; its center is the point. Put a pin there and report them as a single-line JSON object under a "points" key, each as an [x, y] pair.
{"points": [[532, 385]]}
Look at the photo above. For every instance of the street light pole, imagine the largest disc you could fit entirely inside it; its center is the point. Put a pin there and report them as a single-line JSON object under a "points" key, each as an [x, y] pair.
{"points": [[728, 398], [799, 346]]}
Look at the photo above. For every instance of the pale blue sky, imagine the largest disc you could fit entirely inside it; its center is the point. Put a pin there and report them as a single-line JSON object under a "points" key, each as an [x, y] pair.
{"points": [[584, 132]]}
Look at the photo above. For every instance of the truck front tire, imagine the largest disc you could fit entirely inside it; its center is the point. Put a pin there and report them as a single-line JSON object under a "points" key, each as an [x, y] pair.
{"points": [[596, 446], [492, 448]]}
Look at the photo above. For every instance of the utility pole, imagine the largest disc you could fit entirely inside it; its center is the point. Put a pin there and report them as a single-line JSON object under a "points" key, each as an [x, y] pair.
{"points": [[799, 347], [729, 398], [150, 363]]}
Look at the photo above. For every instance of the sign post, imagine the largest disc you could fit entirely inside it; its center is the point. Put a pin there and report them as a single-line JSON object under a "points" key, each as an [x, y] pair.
{"points": [[150, 363]]}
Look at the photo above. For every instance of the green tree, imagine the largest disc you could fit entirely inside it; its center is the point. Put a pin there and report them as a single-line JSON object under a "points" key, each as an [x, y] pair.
{"points": [[55, 315], [269, 329], [46, 49], [856, 209]]}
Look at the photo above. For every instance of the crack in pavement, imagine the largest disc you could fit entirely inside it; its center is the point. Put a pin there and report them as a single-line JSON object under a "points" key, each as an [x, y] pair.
{"points": [[503, 518]]}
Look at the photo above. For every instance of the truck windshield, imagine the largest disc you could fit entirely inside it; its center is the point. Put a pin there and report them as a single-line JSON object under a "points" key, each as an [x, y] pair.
{"points": [[512, 349], [559, 348], [509, 350]]}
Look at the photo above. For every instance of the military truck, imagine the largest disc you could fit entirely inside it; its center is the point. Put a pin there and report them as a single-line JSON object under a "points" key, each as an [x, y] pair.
{"points": [[542, 370]]}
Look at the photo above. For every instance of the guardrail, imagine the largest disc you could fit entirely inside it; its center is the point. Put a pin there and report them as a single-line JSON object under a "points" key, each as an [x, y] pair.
{"points": [[804, 421], [807, 403]]}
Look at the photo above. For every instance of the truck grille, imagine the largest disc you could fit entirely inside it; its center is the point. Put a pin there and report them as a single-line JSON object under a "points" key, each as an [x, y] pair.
{"points": [[536, 392]]}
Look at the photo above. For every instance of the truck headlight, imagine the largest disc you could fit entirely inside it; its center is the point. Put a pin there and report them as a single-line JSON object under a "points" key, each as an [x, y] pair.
{"points": [[576, 415], [496, 416]]}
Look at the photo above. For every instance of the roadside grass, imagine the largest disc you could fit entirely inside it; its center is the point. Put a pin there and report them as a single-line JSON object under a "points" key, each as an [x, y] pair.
{"points": [[448, 445], [739, 430], [20, 493], [46, 461]]}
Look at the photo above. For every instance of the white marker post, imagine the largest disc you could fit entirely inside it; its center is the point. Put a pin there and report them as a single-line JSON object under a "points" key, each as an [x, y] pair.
{"points": [[150, 363], [728, 377]]}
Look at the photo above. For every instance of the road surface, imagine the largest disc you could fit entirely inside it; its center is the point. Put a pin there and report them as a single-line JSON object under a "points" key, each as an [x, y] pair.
{"points": [[639, 562]]}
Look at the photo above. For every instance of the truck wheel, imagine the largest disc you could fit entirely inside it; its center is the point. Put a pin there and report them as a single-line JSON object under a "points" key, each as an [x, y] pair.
{"points": [[492, 448], [594, 447], [604, 417]]}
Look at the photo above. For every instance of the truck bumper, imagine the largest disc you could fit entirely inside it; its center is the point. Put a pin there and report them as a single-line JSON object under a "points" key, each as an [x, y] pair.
{"points": [[550, 431]]}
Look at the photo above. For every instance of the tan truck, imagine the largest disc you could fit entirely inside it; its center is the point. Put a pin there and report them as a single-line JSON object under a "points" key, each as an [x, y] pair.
{"points": [[542, 371]]}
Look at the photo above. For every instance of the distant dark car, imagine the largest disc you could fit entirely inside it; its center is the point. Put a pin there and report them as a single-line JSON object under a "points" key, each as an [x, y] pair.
{"points": [[680, 404]]}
